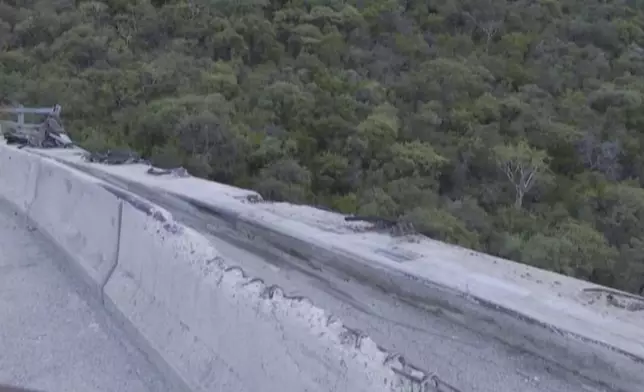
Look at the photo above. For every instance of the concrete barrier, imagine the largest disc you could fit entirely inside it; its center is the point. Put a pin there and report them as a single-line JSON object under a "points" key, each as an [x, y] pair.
{"points": [[479, 286], [579, 331], [197, 316], [81, 217], [221, 330], [18, 176]]}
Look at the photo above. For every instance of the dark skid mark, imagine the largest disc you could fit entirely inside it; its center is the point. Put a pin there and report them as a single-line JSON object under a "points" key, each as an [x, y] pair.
{"points": [[398, 257], [143, 206], [317, 275], [227, 216], [297, 262], [135, 202]]}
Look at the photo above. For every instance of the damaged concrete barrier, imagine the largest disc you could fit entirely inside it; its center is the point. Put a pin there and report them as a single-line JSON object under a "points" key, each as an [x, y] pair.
{"points": [[81, 217], [205, 323], [18, 175], [218, 330]]}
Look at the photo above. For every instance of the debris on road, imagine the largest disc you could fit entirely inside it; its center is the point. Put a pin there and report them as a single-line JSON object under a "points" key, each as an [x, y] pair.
{"points": [[48, 134], [115, 157], [175, 172]]}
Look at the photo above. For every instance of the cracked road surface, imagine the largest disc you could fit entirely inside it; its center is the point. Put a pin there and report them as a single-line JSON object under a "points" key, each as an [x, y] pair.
{"points": [[51, 338]]}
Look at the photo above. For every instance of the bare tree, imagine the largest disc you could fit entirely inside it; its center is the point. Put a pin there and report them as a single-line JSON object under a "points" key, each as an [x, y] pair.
{"points": [[522, 166], [488, 16], [600, 155]]}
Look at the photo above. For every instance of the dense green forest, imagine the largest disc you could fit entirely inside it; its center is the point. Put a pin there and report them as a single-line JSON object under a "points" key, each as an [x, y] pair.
{"points": [[510, 127]]}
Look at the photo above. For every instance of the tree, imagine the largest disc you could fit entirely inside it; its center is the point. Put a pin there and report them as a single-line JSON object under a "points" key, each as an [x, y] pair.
{"points": [[573, 248], [435, 112], [285, 180], [523, 167]]}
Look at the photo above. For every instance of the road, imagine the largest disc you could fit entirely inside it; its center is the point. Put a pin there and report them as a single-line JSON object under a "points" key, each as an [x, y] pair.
{"points": [[472, 355], [52, 337]]}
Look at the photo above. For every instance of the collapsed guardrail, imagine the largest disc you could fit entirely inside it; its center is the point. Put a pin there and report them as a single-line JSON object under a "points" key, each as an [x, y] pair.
{"points": [[46, 134]]}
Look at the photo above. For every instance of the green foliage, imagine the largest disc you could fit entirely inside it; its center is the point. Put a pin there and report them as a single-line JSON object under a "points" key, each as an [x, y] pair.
{"points": [[512, 127]]}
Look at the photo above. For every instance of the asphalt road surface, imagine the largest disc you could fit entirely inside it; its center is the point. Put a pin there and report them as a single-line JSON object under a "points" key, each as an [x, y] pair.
{"points": [[471, 354], [52, 338]]}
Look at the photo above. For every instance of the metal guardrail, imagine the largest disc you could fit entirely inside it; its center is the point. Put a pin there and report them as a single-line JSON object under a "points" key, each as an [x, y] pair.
{"points": [[20, 112]]}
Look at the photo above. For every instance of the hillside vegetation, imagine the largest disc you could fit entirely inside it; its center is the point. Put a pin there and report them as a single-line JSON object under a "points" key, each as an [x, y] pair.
{"points": [[510, 127]]}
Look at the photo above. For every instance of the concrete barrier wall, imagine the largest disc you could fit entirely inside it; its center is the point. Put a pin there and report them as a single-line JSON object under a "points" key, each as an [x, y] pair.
{"points": [[18, 175], [521, 300], [222, 330], [81, 216], [197, 316]]}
